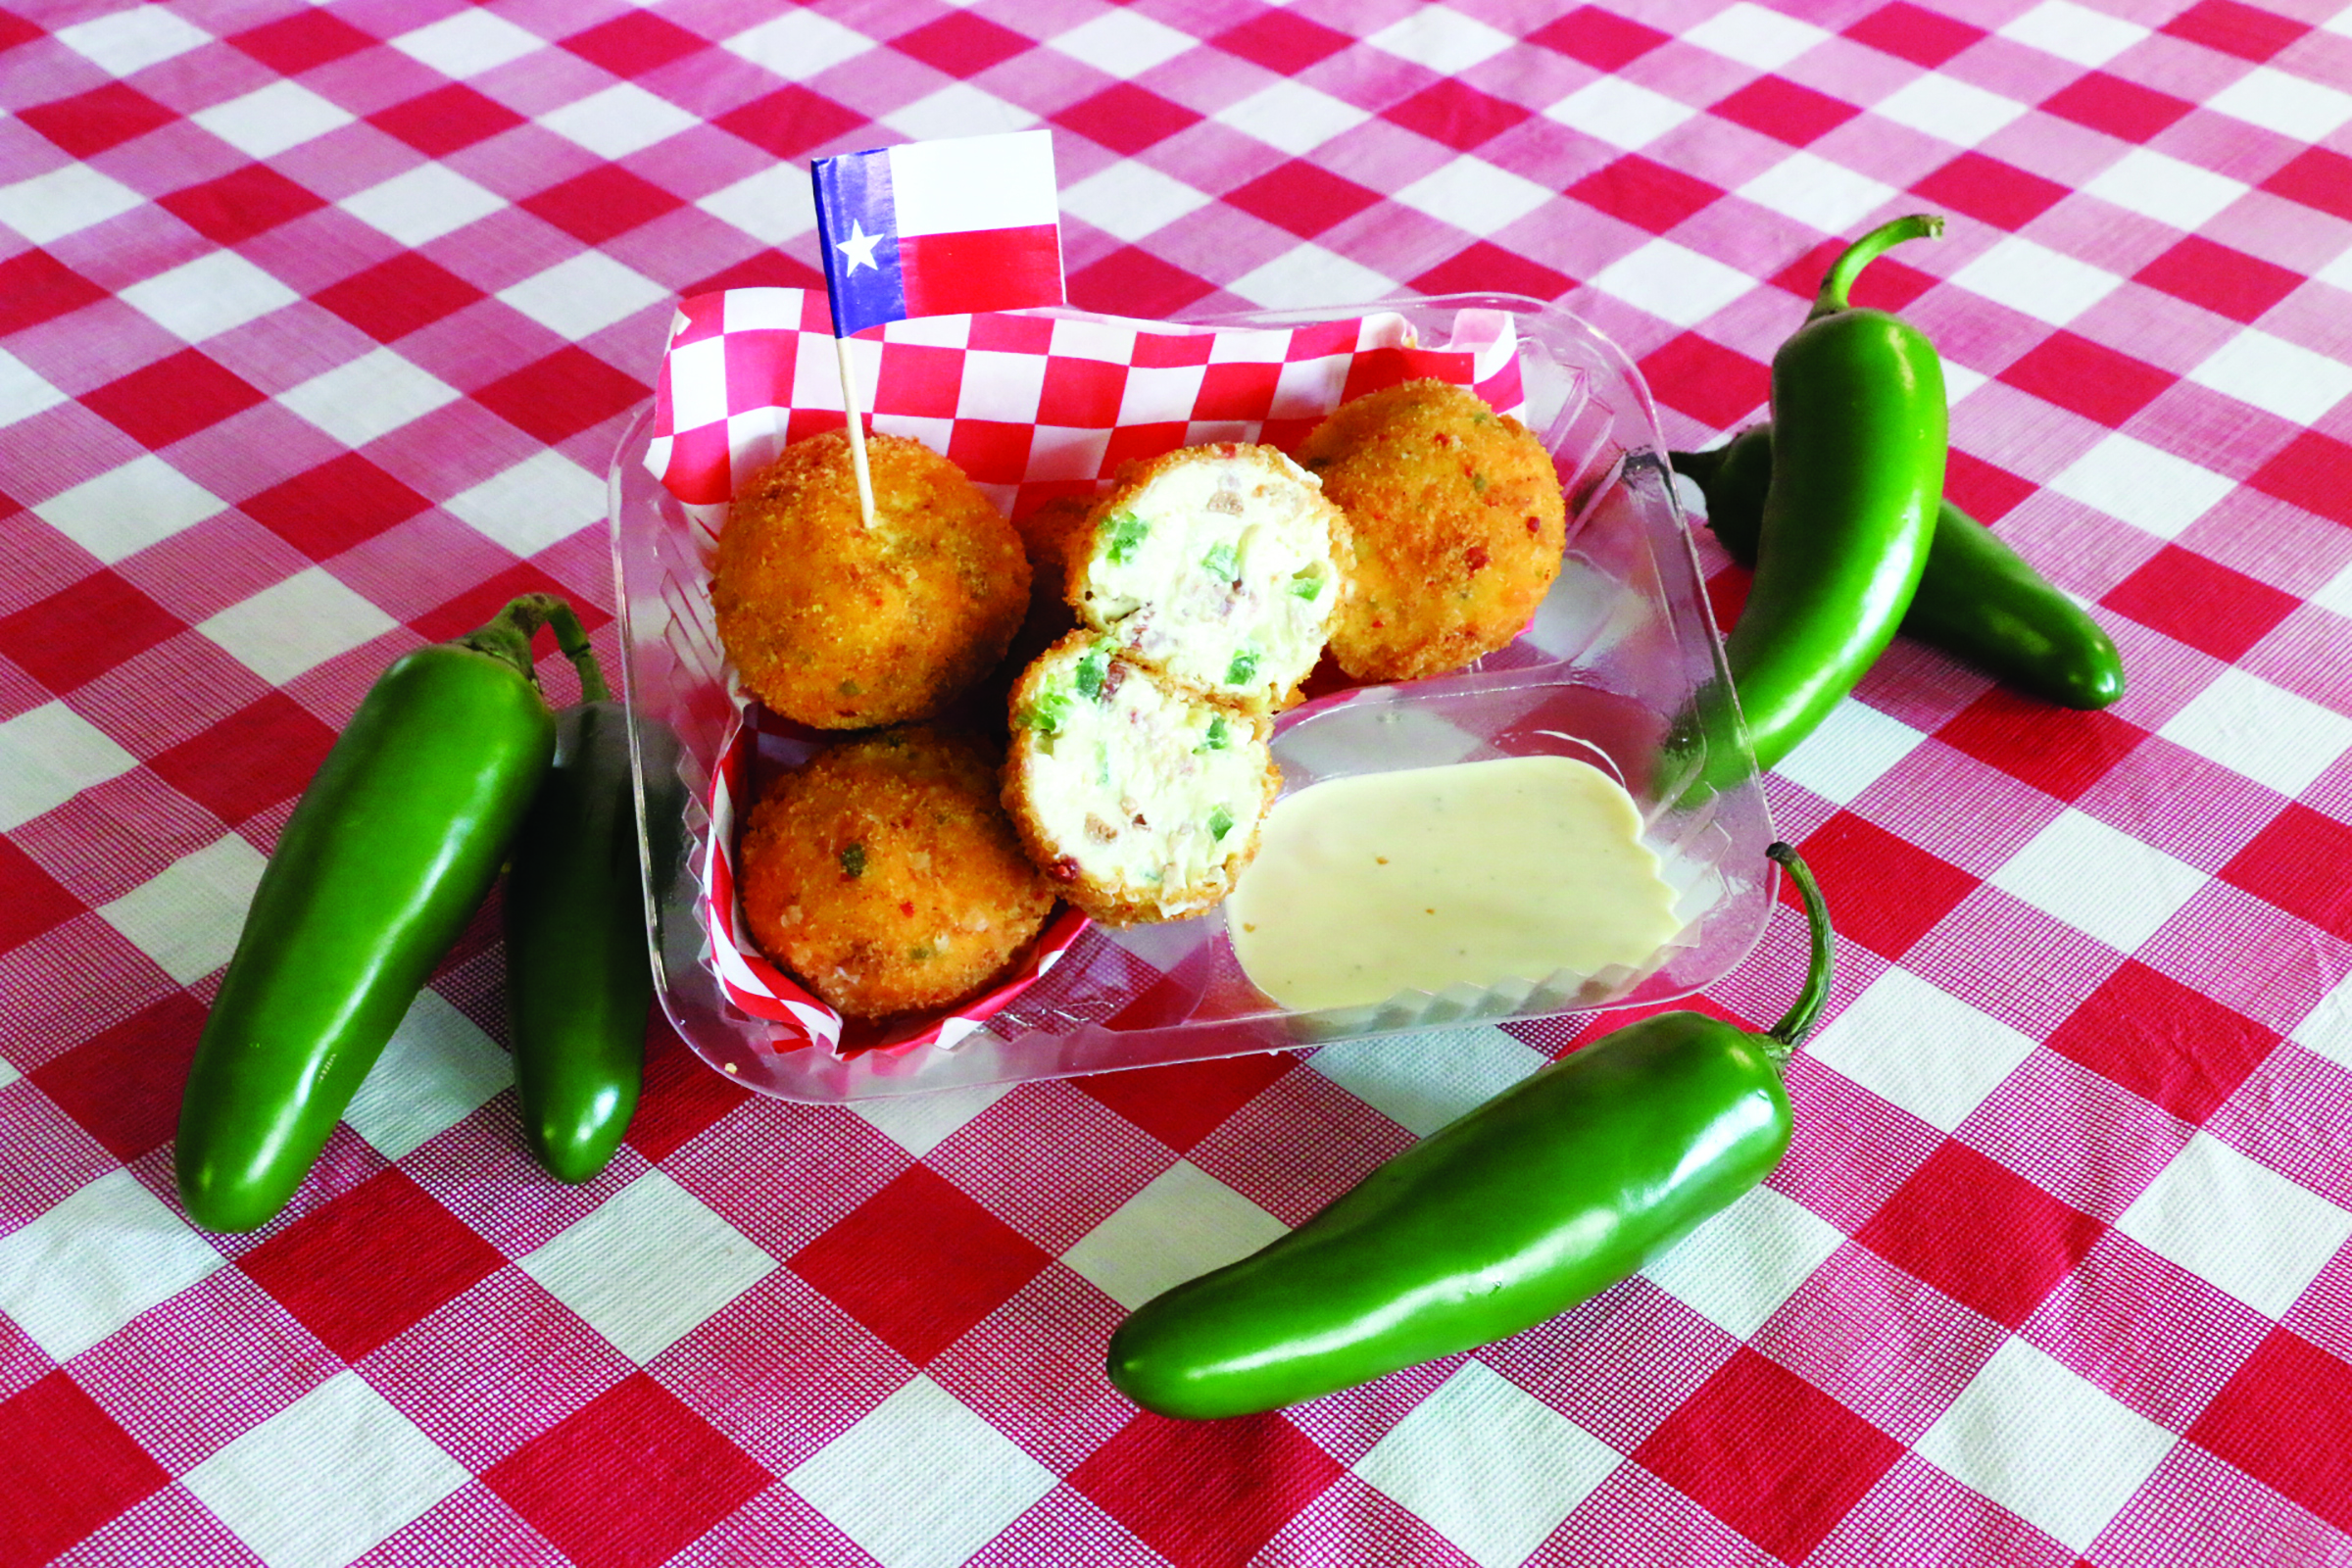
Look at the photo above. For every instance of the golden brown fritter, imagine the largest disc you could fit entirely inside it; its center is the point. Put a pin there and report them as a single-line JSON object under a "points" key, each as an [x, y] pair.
{"points": [[843, 627], [1458, 526], [885, 875]]}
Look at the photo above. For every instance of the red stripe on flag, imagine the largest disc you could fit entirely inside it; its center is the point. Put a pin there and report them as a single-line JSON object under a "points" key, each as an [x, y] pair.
{"points": [[985, 270]]}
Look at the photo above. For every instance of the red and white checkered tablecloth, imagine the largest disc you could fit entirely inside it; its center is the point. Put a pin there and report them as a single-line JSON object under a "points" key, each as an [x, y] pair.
{"points": [[317, 328]]}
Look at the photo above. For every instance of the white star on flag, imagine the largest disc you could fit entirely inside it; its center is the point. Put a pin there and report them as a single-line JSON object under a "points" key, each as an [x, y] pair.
{"points": [[859, 247]]}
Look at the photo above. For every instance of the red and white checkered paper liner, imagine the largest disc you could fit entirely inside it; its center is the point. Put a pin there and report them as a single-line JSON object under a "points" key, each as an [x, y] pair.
{"points": [[750, 370]]}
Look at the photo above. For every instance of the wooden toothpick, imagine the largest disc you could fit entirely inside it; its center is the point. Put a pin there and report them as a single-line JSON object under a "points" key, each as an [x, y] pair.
{"points": [[849, 404]]}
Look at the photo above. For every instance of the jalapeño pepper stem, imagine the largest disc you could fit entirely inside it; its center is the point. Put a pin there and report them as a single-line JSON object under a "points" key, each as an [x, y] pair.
{"points": [[1861, 253], [572, 639], [1792, 1030], [507, 636]]}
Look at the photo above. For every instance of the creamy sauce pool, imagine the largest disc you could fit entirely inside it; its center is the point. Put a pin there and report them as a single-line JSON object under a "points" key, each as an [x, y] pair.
{"points": [[1478, 872]]}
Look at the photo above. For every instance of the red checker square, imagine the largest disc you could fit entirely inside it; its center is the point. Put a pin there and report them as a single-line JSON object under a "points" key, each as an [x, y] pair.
{"points": [[260, 755], [2227, 281], [1978, 488], [66, 1468], [1730, 1447], [1486, 266], [919, 381], [920, 1263], [2246, 32], [561, 395], [2060, 751], [343, 502], [682, 1096], [30, 899], [1303, 198], [1887, 284], [79, 633], [2088, 378], [2201, 602], [395, 298], [790, 121], [1167, 351], [124, 1084], [1203, 1494], [2298, 863], [479, 604], [1283, 41], [441, 121], [172, 398], [1785, 111], [1601, 39], [413, 1253], [88, 124], [1889, 890], [1080, 392], [14, 30], [1132, 281], [2309, 473], [606, 201], [1237, 391], [1706, 380], [1981, 1233], [1914, 34], [2118, 107], [653, 1474], [634, 43], [1183, 1104], [2121, 1301], [961, 44], [1644, 193], [1726, 595], [292, 45], [2281, 1418], [1011, 335], [1456, 114], [2316, 178], [241, 203], [990, 451], [1126, 117], [35, 286], [2001, 194]]}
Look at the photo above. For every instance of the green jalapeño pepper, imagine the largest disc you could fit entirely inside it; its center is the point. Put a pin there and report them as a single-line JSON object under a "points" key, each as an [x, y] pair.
{"points": [[386, 857], [1979, 600], [1858, 413], [1537, 1199]]}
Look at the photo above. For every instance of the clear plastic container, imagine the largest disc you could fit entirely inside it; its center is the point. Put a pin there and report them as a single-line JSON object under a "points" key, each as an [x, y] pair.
{"points": [[1621, 648]]}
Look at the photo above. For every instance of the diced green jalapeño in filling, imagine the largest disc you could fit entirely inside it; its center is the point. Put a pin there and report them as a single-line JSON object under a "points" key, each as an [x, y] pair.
{"points": [[1046, 712], [1217, 738], [1308, 585], [1093, 666], [1224, 561], [1127, 531], [1220, 823], [852, 861], [1243, 668]]}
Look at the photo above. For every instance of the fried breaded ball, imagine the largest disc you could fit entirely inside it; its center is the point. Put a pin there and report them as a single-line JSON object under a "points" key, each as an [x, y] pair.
{"points": [[1456, 525], [885, 875], [843, 627]]}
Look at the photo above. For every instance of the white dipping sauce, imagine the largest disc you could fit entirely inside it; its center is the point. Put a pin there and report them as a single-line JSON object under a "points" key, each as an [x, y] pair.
{"points": [[1477, 873]]}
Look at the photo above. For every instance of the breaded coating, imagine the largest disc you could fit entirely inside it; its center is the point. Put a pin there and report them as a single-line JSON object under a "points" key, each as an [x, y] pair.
{"points": [[1214, 564], [1141, 796], [885, 875], [842, 627], [1456, 526]]}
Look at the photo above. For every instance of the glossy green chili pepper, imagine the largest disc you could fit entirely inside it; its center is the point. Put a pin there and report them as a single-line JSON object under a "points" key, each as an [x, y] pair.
{"points": [[1858, 410], [1979, 600], [578, 978], [387, 856], [1537, 1199]]}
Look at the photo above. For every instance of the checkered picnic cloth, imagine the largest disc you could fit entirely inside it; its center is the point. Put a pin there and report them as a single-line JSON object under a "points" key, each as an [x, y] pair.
{"points": [[317, 328]]}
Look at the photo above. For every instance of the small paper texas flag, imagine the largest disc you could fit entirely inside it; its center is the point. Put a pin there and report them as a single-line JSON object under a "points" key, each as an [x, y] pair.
{"points": [[940, 229]]}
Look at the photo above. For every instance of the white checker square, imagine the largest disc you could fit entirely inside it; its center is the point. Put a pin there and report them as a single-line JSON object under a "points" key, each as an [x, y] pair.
{"points": [[1308, 275], [2266, 732], [959, 108], [2167, 189], [921, 1123], [1817, 193], [368, 396], [1959, 381], [1448, 43], [23, 391], [127, 41], [124, 511], [1917, 1046], [468, 44], [48, 754], [95, 1261], [2277, 376], [799, 44], [1620, 113], [296, 625], [2238, 1224], [1852, 750], [2145, 486], [438, 1069], [1183, 1224], [649, 1266], [1124, 43], [2276, 100], [64, 201], [1131, 200], [2328, 1029], [2073, 32], [1738, 1268], [268, 122], [541, 500], [8, 1073], [1755, 35], [327, 1479], [774, 204], [1474, 196], [1948, 109], [187, 916], [996, 383], [1674, 282], [1423, 1081], [2036, 281], [583, 295], [2099, 880], [2336, 595], [621, 120], [1488, 1466], [1292, 116], [2045, 1443], [216, 291], [921, 1482], [423, 204]]}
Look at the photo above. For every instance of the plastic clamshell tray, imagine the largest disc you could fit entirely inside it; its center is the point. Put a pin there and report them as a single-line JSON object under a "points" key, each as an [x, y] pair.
{"points": [[1622, 645]]}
